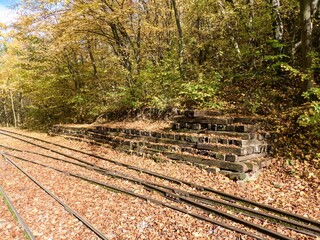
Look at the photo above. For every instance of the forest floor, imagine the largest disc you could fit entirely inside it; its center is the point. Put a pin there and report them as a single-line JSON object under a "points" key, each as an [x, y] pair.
{"points": [[124, 217]]}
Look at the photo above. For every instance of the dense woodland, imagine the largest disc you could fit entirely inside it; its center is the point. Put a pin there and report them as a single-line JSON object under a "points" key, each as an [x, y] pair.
{"points": [[73, 60]]}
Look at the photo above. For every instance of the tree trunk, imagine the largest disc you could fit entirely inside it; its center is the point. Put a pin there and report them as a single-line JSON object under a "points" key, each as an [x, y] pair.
{"points": [[306, 33], [180, 34], [13, 110], [277, 21], [251, 15], [5, 110], [20, 109], [93, 64], [308, 9], [230, 32]]}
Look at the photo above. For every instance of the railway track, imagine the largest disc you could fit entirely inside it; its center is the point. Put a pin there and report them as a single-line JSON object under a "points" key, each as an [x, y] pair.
{"points": [[207, 205], [181, 195], [26, 229]]}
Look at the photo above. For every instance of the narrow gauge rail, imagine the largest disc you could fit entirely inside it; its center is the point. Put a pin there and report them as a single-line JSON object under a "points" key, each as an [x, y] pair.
{"points": [[309, 221], [66, 207], [168, 178], [188, 197], [152, 200], [26, 230], [180, 192]]}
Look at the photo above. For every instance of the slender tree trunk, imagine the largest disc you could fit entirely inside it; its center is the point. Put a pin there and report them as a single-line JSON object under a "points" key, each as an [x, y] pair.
{"points": [[251, 16], [314, 7], [230, 32], [93, 62], [278, 28], [180, 34], [306, 37], [5, 110], [306, 33], [13, 110], [94, 65], [20, 109]]}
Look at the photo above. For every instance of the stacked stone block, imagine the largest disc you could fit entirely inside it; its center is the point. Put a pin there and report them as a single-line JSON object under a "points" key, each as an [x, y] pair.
{"points": [[232, 145]]}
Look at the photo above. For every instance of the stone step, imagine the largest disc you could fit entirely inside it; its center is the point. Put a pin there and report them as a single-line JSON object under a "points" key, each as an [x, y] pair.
{"points": [[235, 171], [214, 127], [218, 115], [236, 167], [191, 133], [240, 151], [138, 143], [241, 139], [234, 156], [230, 157], [203, 146], [224, 134], [133, 143], [220, 152], [239, 147], [190, 143], [248, 166]]}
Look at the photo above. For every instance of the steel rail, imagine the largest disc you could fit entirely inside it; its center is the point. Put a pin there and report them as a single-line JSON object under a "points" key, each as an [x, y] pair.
{"points": [[150, 199], [20, 220], [65, 206], [189, 201], [175, 180], [179, 192]]}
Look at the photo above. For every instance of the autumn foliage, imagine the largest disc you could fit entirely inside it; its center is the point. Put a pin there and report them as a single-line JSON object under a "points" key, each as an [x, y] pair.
{"points": [[70, 61]]}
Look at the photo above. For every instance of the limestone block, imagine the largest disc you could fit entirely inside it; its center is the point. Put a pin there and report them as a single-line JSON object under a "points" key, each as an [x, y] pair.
{"points": [[145, 133], [253, 166], [214, 127], [221, 127], [212, 140], [236, 176], [231, 158], [196, 126], [220, 156], [170, 136], [183, 125], [194, 139], [230, 128], [176, 126], [213, 170], [238, 167]]}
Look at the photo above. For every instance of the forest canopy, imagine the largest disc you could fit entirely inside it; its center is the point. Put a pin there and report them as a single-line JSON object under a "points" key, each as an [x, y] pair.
{"points": [[72, 60]]}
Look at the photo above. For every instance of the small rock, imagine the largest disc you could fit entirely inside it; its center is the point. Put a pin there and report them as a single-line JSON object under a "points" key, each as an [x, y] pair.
{"points": [[213, 170], [197, 235], [111, 236], [2, 223], [142, 225], [278, 185]]}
